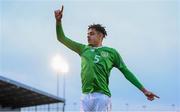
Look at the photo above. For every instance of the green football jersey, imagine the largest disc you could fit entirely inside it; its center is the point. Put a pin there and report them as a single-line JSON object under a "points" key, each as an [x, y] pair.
{"points": [[96, 64]]}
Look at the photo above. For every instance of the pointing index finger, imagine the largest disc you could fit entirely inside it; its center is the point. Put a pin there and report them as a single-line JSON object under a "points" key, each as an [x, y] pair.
{"points": [[62, 8], [156, 96]]}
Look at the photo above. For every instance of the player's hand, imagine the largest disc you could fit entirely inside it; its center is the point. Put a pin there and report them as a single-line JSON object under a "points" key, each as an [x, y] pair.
{"points": [[150, 96], [58, 14]]}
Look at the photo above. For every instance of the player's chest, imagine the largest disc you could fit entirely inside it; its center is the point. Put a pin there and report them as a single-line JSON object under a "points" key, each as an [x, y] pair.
{"points": [[97, 56]]}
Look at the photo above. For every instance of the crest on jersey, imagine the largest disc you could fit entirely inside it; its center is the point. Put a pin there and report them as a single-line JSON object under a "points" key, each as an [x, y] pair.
{"points": [[104, 54]]}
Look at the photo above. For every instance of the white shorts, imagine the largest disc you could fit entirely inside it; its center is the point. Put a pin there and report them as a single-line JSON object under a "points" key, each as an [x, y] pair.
{"points": [[95, 102]]}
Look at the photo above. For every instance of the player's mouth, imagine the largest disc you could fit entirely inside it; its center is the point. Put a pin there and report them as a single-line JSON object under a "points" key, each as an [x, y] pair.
{"points": [[89, 39]]}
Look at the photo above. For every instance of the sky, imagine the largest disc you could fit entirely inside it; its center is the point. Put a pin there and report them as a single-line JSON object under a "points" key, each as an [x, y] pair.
{"points": [[145, 33]]}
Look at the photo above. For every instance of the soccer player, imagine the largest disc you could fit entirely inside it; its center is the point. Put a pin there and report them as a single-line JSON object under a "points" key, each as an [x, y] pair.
{"points": [[96, 63]]}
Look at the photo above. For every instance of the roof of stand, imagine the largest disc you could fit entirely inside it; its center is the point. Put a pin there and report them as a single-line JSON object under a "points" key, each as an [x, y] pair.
{"points": [[16, 95]]}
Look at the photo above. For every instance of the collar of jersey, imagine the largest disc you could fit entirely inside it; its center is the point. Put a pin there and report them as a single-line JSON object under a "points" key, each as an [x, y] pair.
{"points": [[97, 47]]}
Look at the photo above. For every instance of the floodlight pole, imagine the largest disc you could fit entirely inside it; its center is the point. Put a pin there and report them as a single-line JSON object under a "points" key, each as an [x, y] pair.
{"points": [[64, 91], [57, 90]]}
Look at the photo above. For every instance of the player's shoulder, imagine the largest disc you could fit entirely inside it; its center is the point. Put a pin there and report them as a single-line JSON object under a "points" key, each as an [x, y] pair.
{"points": [[110, 49]]}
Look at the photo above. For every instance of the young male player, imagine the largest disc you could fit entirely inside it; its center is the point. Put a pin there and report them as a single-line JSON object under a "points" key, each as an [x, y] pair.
{"points": [[96, 64]]}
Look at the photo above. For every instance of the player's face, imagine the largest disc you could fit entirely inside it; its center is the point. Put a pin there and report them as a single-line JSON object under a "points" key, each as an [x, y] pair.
{"points": [[94, 37]]}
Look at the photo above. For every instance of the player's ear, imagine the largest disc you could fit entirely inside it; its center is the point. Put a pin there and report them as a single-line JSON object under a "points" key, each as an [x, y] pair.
{"points": [[101, 35]]}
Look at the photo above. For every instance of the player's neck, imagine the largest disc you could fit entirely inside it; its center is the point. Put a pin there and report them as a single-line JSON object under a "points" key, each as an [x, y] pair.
{"points": [[96, 45]]}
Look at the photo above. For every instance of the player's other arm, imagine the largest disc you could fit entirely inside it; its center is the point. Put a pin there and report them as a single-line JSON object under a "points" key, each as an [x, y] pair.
{"points": [[75, 46], [131, 77]]}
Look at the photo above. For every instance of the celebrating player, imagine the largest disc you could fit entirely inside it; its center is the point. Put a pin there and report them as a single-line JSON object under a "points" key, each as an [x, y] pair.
{"points": [[97, 61]]}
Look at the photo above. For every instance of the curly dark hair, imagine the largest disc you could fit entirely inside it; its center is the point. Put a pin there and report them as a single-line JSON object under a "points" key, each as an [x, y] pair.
{"points": [[99, 28]]}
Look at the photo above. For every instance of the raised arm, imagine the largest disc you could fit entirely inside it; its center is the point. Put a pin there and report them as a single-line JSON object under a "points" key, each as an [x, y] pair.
{"points": [[131, 77], [75, 46]]}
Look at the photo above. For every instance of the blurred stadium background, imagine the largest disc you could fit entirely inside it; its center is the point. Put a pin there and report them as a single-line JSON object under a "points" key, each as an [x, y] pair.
{"points": [[15, 96]]}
